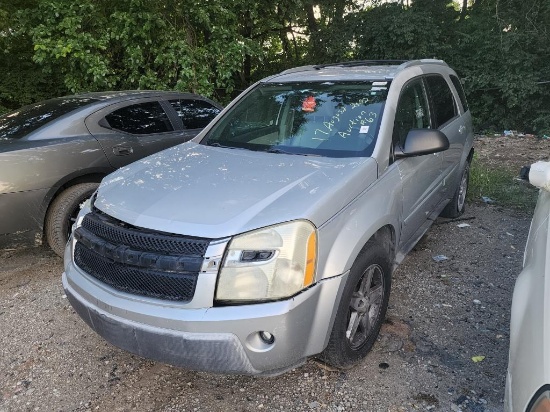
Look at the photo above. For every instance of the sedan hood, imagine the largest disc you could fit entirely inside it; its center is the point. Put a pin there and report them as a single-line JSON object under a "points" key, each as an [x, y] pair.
{"points": [[217, 192]]}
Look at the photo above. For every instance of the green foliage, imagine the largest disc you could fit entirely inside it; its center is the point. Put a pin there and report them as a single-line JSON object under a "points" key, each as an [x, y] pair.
{"points": [[502, 53], [138, 44], [215, 47]]}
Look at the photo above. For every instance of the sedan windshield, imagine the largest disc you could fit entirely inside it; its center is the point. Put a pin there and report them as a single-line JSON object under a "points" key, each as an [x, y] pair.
{"points": [[21, 122], [323, 119]]}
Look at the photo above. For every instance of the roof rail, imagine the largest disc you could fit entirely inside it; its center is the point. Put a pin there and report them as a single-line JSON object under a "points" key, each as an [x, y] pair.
{"points": [[418, 62], [354, 63], [298, 69], [402, 64]]}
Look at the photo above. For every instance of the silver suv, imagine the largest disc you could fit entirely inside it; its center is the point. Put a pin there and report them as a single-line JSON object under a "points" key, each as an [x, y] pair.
{"points": [[273, 234]]}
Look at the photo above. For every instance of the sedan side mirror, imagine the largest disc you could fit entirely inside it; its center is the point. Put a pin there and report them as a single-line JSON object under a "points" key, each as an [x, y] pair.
{"points": [[421, 142]]}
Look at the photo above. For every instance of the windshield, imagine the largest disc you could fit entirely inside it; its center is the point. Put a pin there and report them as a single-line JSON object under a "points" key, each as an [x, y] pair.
{"points": [[20, 123], [323, 119]]}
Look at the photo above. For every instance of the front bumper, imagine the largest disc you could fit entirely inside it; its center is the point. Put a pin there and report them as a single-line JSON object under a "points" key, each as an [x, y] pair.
{"points": [[215, 339]]}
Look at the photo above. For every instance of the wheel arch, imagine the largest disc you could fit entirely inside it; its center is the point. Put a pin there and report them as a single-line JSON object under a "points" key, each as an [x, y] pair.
{"points": [[83, 176], [385, 236]]}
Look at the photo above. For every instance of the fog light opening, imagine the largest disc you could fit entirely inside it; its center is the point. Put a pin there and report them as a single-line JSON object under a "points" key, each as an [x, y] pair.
{"points": [[266, 337]]}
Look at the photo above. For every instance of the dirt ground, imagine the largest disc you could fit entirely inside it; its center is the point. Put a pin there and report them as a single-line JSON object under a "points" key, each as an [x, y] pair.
{"points": [[441, 315], [511, 152]]}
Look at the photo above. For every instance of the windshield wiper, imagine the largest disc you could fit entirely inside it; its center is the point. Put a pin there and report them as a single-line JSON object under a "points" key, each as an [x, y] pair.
{"points": [[216, 144], [274, 150]]}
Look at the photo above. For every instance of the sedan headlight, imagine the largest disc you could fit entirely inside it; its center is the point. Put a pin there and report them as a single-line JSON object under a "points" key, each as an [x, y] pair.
{"points": [[270, 263]]}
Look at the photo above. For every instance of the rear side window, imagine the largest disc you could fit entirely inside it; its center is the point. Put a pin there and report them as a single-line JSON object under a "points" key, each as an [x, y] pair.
{"points": [[460, 90], [142, 118], [444, 107], [195, 114]]}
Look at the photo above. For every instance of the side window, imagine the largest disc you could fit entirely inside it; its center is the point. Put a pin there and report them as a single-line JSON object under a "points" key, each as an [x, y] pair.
{"points": [[444, 107], [195, 114], [412, 111], [142, 118], [460, 90]]}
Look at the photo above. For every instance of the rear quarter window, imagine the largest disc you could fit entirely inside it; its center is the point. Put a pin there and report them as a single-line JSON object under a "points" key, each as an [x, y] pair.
{"points": [[460, 90], [444, 106]]}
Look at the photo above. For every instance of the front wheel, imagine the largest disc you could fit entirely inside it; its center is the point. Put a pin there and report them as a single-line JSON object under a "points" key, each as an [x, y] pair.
{"points": [[362, 309], [457, 205], [62, 214]]}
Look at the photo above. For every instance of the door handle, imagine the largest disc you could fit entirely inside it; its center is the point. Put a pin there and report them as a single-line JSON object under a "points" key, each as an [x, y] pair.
{"points": [[123, 150], [461, 129]]}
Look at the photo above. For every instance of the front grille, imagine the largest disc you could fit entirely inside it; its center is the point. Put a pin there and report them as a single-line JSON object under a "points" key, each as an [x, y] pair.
{"points": [[136, 280], [139, 261], [117, 232]]}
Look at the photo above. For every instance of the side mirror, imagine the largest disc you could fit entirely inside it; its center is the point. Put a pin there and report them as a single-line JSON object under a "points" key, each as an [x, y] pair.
{"points": [[421, 142]]}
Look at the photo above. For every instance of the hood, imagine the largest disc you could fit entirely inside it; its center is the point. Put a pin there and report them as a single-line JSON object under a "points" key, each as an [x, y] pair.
{"points": [[215, 192]]}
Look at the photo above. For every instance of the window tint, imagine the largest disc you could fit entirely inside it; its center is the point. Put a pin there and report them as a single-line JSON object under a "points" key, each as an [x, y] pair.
{"points": [[412, 111], [444, 106], [460, 90], [19, 123], [142, 118], [195, 114]]}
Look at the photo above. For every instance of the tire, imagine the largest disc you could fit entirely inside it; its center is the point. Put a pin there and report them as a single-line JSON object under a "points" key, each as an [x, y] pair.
{"points": [[358, 319], [457, 205], [62, 214]]}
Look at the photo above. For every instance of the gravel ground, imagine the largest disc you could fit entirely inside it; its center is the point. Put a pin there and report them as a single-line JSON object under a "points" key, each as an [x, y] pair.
{"points": [[441, 315]]}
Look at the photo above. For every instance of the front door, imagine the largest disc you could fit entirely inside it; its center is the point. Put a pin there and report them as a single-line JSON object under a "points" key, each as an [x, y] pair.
{"points": [[421, 175]]}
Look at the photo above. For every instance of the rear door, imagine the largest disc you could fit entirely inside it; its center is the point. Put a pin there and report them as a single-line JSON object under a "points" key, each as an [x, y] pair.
{"points": [[446, 117], [131, 130]]}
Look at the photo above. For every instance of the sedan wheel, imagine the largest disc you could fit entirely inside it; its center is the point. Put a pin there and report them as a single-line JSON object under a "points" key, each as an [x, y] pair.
{"points": [[62, 214]]}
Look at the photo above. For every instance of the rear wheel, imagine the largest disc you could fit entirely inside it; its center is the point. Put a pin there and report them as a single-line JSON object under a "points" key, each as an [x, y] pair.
{"points": [[362, 309], [457, 205], [62, 214]]}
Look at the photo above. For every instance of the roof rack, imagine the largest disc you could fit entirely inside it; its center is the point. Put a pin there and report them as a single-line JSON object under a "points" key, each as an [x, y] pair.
{"points": [[418, 62], [354, 63], [402, 64], [298, 69]]}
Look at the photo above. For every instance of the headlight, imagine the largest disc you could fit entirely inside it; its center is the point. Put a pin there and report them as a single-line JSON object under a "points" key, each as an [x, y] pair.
{"points": [[85, 208], [541, 402], [271, 263]]}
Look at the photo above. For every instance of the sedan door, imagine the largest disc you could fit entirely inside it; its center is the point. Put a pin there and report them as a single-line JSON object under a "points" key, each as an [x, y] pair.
{"points": [[134, 129]]}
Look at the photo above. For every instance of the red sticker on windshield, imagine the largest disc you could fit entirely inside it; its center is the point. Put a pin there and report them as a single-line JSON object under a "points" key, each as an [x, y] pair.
{"points": [[308, 105]]}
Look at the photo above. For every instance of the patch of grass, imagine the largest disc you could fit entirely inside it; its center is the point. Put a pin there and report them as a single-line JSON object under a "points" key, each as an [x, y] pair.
{"points": [[500, 184]]}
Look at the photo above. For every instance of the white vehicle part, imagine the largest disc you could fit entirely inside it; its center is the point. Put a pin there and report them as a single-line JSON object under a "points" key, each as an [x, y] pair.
{"points": [[539, 175]]}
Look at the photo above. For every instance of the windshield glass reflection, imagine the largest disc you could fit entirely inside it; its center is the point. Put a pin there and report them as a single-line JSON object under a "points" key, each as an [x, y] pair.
{"points": [[322, 119]]}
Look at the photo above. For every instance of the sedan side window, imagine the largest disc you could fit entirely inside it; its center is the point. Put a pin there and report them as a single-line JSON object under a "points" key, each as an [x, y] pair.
{"points": [[444, 106], [195, 114], [412, 111], [142, 118]]}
